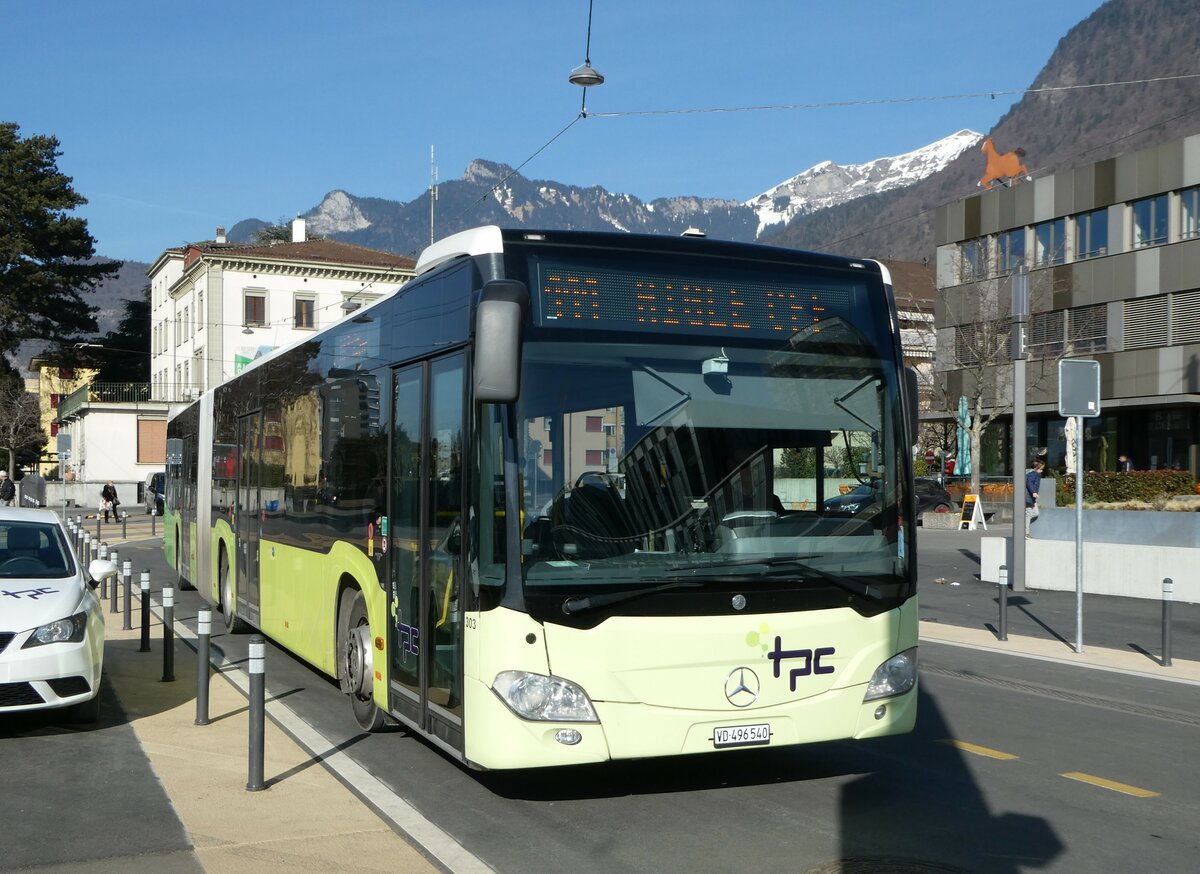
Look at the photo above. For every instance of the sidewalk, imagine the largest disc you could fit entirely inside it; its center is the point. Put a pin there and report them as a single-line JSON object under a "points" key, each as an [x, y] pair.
{"points": [[1125, 662], [305, 820]]}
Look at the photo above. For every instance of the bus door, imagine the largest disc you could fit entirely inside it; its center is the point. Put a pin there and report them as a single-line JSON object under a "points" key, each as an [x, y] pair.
{"points": [[248, 514], [425, 540]]}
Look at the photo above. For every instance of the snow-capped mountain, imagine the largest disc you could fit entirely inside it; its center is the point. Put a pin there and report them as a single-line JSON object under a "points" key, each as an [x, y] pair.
{"points": [[492, 193], [828, 184]]}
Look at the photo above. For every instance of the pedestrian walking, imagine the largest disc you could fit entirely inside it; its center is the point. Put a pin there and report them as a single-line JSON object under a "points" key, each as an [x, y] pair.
{"points": [[109, 501], [1124, 463], [1033, 485], [8, 491]]}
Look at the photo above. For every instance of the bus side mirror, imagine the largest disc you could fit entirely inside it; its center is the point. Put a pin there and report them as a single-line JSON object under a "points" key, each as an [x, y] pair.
{"points": [[499, 318], [911, 411]]}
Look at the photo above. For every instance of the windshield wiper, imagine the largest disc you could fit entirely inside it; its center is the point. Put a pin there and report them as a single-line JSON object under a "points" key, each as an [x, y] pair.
{"points": [[591, 602], [849, 584]]}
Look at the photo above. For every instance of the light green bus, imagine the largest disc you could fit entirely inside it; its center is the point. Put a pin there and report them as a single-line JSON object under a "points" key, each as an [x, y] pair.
{"points": [[528, 504]]}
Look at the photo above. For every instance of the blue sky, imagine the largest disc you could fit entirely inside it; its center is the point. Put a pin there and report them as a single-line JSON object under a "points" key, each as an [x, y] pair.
{"points": [[178, 117]]}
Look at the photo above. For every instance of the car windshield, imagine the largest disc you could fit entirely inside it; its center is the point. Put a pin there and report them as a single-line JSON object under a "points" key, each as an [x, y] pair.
{"points": [[32, 550], [643, 466]]}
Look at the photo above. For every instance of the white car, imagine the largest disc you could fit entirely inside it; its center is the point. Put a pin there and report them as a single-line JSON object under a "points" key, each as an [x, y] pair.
{"points": [[51, 622]]}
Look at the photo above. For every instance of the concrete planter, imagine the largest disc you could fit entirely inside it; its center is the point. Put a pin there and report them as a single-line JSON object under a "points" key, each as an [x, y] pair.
{"points": [[1125, 552]]}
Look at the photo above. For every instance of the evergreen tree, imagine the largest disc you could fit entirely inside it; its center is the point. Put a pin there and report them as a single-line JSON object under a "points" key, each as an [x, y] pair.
{"points": [[44, 251]]}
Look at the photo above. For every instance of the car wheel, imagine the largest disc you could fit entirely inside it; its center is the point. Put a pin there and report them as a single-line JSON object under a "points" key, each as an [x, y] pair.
{"points": [[355, 654]]}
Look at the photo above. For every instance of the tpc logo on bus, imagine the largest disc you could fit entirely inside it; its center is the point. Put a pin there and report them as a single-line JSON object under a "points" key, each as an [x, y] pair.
{"points": [[810, 660]]}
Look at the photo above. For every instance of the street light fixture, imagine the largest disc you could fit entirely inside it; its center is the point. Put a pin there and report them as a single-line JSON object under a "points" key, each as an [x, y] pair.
{"points": [[585, 75]]}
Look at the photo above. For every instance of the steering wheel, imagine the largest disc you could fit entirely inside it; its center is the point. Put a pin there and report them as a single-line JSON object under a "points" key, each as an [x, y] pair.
{"points": [[22, 563]]}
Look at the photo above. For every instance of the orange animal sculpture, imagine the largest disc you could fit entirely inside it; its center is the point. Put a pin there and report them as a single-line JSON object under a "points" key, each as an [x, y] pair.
{"points": [[1006, 168]]}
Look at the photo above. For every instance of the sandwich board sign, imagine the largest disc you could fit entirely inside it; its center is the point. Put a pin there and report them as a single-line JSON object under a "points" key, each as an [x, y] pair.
{"points": [[971, 516]]}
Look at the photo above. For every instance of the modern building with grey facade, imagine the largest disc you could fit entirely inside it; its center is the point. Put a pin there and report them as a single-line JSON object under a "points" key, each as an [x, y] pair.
{"points": [[1113, 254]]}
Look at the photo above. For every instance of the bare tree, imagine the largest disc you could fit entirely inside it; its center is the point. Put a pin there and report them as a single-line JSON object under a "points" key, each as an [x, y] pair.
{"points": [[20, 422], [973, 354]]}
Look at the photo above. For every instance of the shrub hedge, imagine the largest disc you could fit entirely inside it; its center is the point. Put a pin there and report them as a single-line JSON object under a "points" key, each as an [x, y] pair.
{"points": [[1138, 485]]}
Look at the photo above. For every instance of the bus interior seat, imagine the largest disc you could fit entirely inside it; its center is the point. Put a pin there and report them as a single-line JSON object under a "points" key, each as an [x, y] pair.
{"points": [[590, 522]]}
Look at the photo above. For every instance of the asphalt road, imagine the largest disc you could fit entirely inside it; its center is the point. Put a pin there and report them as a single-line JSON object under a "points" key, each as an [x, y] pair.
{"points": [[981, 785]]}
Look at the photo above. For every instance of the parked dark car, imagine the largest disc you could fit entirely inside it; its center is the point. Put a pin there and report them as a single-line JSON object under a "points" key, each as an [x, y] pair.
{"points": [[931, 497], [863, 499], [156, 492]]}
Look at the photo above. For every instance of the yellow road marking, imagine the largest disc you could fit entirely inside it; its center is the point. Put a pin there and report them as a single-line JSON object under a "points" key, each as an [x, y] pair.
{"points": [[978, 750], [1124, 788]]}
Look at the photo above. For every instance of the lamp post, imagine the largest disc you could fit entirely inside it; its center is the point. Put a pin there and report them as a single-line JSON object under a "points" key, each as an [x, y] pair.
{"points": [[1020, 313]]}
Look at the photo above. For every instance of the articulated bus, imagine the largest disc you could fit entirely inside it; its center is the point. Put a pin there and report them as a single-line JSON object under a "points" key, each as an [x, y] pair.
{"points": [[529, 504]]}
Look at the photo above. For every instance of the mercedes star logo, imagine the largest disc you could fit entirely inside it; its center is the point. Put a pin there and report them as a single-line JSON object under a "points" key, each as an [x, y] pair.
{"points": [[741, 687]]}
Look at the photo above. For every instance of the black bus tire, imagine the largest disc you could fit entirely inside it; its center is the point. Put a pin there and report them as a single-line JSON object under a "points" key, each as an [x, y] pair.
{"points": [[356, 660]]}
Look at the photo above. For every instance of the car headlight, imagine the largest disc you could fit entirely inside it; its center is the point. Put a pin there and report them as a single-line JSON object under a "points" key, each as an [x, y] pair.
{"points": [[894, 677], [542, 698], [69, 630], [850, 508]]}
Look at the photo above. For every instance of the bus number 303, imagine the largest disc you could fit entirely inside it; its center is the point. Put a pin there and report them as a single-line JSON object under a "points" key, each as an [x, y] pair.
{"points": [[741, 735]]}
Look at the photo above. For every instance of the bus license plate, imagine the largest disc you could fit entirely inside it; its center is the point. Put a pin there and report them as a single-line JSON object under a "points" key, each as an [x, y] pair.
{"points": [[742, 735]]}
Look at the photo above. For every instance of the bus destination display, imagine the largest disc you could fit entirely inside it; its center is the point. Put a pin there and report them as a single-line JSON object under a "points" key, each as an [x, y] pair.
{"points": [[612, 299]]}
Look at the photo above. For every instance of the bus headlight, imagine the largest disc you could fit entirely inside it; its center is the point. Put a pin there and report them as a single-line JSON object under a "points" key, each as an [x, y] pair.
{"points": [[894, 677], [546, 699]]}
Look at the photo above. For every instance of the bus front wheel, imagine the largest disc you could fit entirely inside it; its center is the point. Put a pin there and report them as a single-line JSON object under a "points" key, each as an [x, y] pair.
{"points": [[355, 653]]}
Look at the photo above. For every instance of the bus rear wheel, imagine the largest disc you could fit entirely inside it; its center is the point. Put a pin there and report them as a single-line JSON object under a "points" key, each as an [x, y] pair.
{"points": [[356, 662], [233, 624]]}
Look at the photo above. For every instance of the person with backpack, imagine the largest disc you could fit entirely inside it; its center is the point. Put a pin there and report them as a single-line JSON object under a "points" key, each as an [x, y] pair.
{"points": [[8, 491]]}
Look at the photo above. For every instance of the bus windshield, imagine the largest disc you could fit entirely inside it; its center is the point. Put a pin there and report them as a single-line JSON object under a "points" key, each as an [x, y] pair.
{"points": [[695, 468]]}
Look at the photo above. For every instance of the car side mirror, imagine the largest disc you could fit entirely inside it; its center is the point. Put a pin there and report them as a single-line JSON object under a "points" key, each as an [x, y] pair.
{"points": [[101, 569]]}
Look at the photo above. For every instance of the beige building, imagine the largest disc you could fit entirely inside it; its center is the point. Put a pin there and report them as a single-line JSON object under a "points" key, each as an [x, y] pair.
{"points": [[215, 305]]}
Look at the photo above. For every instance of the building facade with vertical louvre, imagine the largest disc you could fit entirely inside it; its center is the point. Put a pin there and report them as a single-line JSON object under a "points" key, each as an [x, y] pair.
{"points": [[1113, 253]]}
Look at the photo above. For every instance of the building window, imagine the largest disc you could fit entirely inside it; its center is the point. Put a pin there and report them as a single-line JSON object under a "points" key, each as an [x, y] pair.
{"points": [[305, 312], [66, 373], [1185, 318], [1049, 243], [1146, 322], [974, 260], [1091, 234], [595, 458], [548, 457], [1010, 250], [1189, 201], [255, 308], [54, 401], [1045, 337], [1088, 329], [1150, 221], [594, 423], [201, 318]]}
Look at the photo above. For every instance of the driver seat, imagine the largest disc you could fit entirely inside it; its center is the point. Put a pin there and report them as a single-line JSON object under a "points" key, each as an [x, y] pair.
{"points": [[23, 542]]}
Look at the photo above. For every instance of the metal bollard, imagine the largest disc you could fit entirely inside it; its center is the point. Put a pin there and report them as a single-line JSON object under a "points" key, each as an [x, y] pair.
{"points": [[203, 633], [127, 577], [84, 556], [124, 525], [97, 524], [1167, 597], [168, 604], [1003, 586], [145, 583], [153, 522], [258, 663], [104, 582]]}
